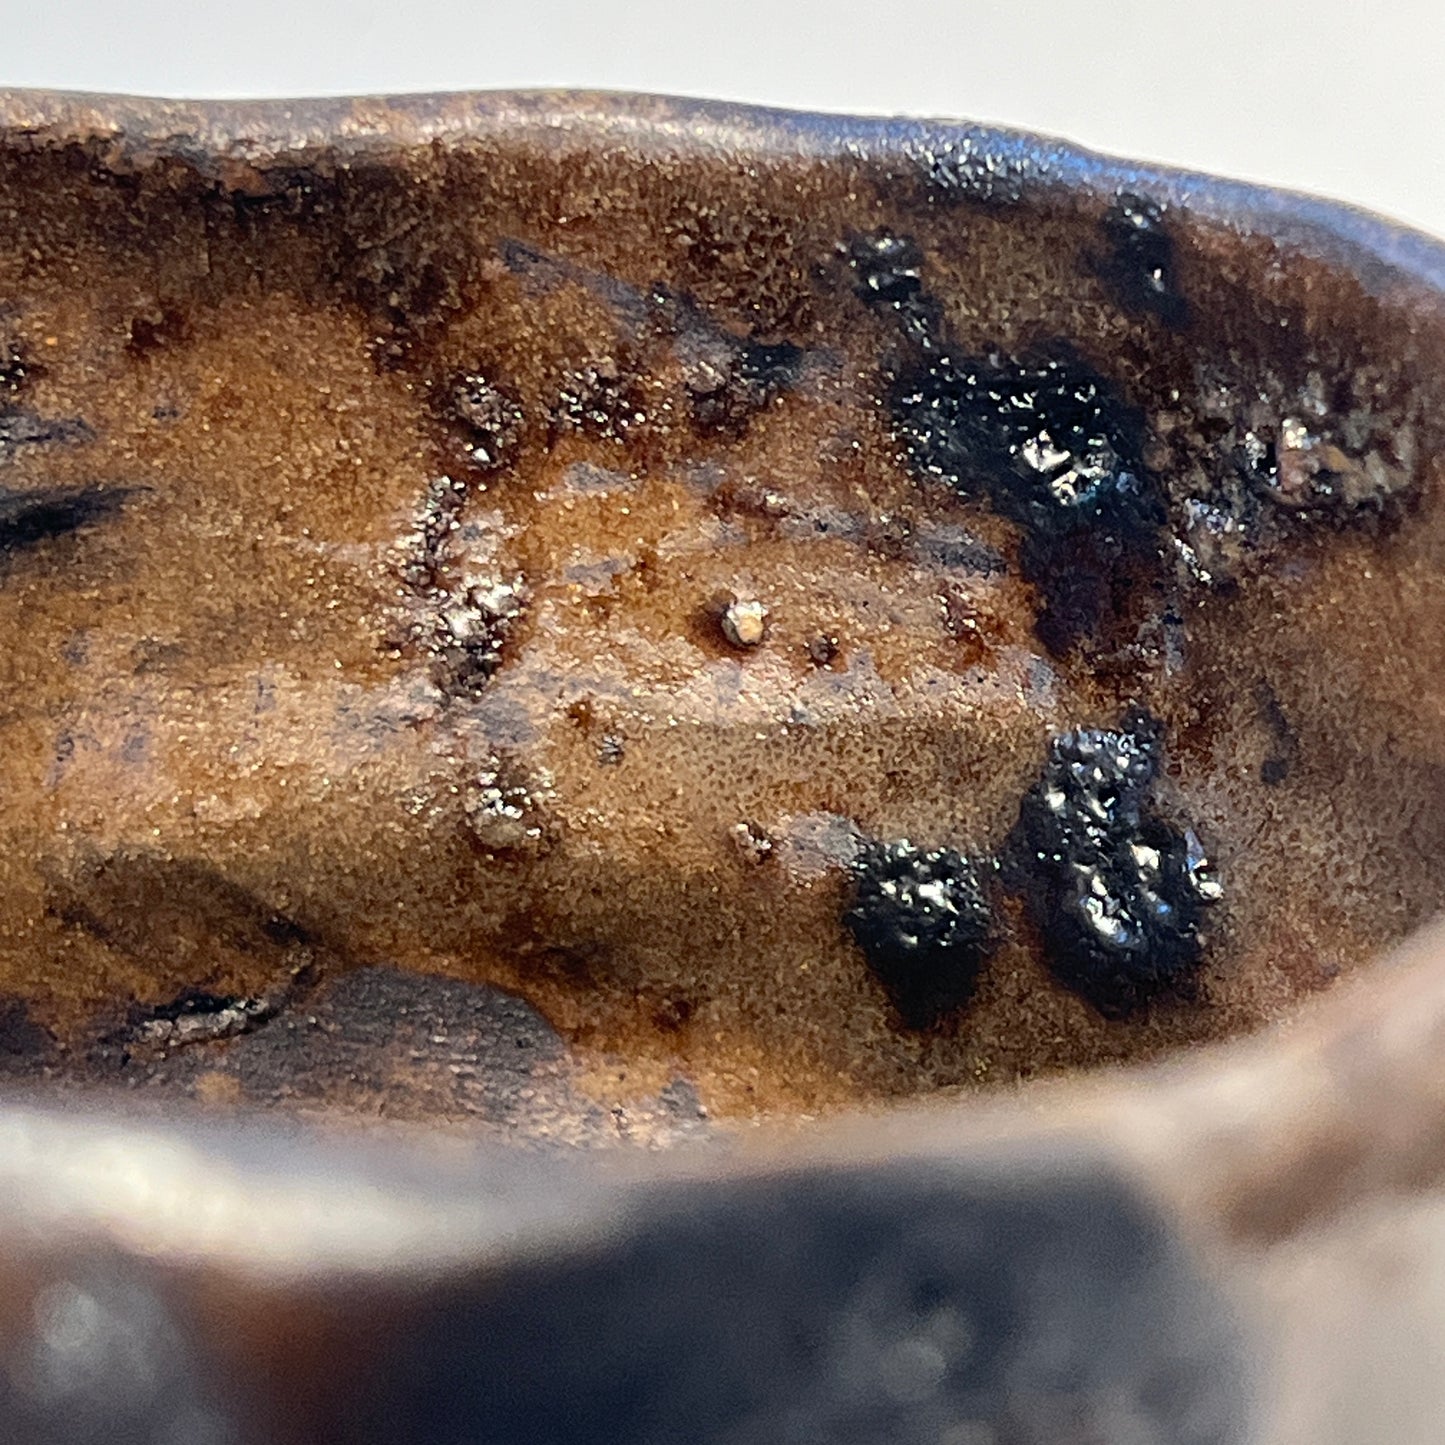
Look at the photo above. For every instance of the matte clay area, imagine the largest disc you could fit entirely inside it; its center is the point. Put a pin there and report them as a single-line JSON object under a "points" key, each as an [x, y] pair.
{"points": [[558, 560]]}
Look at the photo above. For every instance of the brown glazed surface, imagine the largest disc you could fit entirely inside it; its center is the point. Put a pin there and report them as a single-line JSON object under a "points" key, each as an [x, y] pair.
{"points": [[372, 508], [483, 577]]}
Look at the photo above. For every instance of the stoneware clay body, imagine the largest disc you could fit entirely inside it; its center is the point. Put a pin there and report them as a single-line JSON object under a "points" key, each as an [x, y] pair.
{"points": [[675, 773]]}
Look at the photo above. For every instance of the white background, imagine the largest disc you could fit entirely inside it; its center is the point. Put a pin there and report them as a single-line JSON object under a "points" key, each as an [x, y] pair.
{"points": [[1343, 98]]}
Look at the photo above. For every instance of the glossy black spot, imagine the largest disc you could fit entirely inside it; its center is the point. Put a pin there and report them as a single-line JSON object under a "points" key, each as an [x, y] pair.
{"points": [[194, 1016], [924, 924], [888, 275], [1051, 445], [889, 268], [1116, 892], [1139, 264], [1047, 440]]}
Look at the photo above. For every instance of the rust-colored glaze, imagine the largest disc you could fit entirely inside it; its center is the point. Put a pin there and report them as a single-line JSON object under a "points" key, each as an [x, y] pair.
{"points": [[423, 463]]}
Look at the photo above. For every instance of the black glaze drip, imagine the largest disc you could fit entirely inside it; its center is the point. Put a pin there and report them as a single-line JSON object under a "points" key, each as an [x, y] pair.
{"points": [[888, 274], [1116, 892], [1047, 439], [924, 924], [1052, 446]]}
